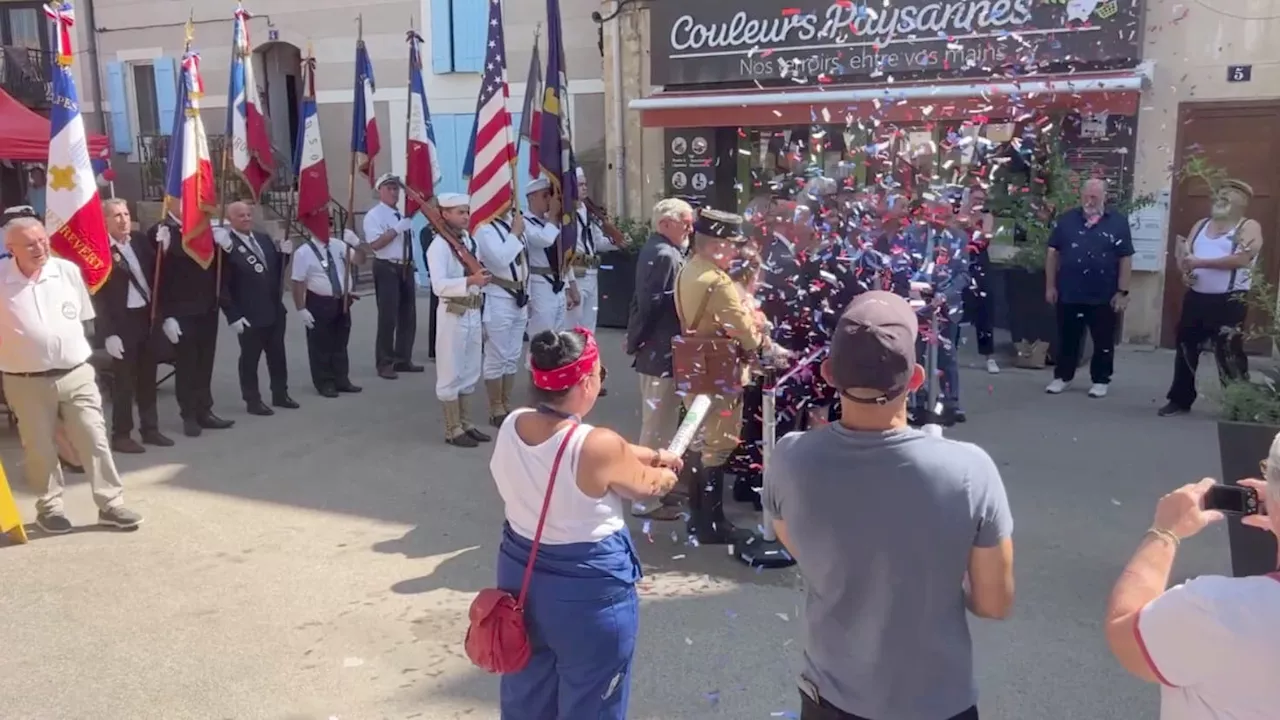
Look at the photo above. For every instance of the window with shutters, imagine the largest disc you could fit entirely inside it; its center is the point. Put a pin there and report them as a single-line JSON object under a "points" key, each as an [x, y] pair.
{"points": [[459, 30], [146, 113], [143, 96]]}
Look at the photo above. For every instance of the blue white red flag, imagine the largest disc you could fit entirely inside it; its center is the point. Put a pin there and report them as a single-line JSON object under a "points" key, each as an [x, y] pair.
{"points": [[492, 157], [422, 167], [313, 176], [246, 121], [190, 194], [555, 151], [73, 211], [531, 117], [364, 121]]}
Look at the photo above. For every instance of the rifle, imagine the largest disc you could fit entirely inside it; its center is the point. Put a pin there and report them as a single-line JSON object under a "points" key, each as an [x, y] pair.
{"points": [[432, 213], [615, 235]]}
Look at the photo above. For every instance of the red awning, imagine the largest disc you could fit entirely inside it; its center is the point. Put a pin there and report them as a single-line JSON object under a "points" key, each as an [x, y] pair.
{"points": [[1116, 92], [24, 134]]}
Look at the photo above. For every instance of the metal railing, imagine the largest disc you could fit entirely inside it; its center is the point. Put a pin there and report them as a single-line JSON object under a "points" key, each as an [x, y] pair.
{"points": [[26, 74]]}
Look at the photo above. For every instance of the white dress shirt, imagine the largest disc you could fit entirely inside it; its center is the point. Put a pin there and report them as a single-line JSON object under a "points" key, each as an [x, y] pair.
{"points": [[310, 266], [502, 254], [379, 220], [539, 235], [136, 300], [41, 317]]}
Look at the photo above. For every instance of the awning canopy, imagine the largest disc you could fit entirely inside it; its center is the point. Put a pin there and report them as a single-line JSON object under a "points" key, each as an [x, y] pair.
{"points": [[24, 134], [1111, 92]]}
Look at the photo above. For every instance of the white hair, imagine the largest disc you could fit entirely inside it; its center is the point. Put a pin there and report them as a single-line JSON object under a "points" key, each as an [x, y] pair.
{"points": [[21, 223], [1272, 498], [1096, 181], [670, 209], [113, 202]]}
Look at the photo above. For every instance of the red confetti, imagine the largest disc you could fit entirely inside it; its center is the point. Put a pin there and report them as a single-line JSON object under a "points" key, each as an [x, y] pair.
{"points": [[787, 12]]}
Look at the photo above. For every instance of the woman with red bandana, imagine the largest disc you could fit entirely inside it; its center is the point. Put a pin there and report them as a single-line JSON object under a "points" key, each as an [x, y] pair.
{"points": [[564, 485]]}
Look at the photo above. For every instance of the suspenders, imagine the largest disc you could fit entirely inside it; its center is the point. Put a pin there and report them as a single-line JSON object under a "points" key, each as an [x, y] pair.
{"points": [[518, 294]]}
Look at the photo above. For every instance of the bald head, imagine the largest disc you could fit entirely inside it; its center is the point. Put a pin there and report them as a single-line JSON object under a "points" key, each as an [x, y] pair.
{"points": [[240, 215]]}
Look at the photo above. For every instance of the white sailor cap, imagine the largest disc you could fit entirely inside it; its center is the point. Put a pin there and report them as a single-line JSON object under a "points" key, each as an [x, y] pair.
{"points": [[582, 176], [453, 200], [539, 183], [386, 178]]}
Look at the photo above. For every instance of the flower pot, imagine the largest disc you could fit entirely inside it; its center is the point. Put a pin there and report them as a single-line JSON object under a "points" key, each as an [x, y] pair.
{"points": [[1240, 447], [617, 285], [1020, 308]]}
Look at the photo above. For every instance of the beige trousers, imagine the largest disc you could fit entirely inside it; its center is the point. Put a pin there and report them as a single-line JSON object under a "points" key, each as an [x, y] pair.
{"points": [[659, 411], [39, 402]]}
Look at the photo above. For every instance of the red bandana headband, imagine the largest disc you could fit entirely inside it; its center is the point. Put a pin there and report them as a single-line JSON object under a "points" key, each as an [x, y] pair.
{"points": [[563, 378]]}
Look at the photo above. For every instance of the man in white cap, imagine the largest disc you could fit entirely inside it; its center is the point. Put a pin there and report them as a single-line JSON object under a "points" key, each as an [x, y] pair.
{"points": [[501, 251], [458, 339], [592, 241], [551, 291], [387, 233]]}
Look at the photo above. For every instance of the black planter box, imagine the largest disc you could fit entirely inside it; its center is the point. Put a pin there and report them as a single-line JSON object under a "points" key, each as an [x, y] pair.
{"points": [[1016, 295], [617, 285], [1240, 447]]}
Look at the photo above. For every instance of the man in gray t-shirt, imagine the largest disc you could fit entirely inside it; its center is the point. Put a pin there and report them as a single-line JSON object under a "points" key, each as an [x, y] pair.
{"points": [[896, 533]]}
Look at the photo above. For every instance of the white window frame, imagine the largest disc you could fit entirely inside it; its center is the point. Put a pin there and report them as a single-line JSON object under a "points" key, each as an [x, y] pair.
{"points": [[128, 60]]}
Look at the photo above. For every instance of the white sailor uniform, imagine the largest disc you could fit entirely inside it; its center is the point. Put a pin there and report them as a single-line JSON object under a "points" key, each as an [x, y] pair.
{"points": [[586, 268], [505, 312], [547, 304]]}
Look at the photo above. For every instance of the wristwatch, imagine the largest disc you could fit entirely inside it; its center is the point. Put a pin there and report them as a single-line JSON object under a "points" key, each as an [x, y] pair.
{"points": [[1123, 292]]}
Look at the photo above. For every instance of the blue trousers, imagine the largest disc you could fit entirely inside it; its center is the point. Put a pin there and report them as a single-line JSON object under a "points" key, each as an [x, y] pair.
{"points": [[948, 367], [582, 628]]}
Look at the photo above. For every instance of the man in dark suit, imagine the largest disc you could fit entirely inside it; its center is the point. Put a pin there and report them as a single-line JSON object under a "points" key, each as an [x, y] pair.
{"points": [[253, 302], [123, 307], [188, 302]]}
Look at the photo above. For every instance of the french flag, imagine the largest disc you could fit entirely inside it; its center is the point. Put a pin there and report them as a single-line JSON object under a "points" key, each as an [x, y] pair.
{"points": [[246, 122], [364, 121], [190, 195], [73, 211], [313, 176], [422, 168]]}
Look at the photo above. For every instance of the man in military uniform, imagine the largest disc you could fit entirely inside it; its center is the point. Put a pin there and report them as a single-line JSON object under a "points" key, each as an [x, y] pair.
{"points": [[552, 291], [500, 249], [710, 306]]}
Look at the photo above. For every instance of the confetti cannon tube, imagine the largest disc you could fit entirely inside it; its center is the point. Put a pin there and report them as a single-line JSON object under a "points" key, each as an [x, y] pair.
{"points": [[689, 427]]}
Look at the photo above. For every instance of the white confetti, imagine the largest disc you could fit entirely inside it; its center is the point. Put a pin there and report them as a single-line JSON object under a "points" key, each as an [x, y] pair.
{"points": [[352, 662]]}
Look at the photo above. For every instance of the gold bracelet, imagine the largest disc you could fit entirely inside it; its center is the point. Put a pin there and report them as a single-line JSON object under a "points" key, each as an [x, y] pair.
{"points": [[1167, 535]]}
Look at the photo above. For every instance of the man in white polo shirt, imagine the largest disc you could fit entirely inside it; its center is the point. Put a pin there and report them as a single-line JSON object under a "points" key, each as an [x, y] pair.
{"points": [[44, 358], [387, 233]]}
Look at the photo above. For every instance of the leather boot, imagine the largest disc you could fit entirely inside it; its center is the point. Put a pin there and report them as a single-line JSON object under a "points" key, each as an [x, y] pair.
{"points": [[497, 406], [467, 426], [706, 505], [454, 434], [508, 388]]}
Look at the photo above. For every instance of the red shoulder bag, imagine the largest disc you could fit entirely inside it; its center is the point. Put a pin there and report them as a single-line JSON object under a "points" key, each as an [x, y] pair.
{"points": [[497, 639]]}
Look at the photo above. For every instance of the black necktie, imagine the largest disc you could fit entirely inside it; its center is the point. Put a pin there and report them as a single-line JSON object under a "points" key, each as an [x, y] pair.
{"points": [[331, 269]]}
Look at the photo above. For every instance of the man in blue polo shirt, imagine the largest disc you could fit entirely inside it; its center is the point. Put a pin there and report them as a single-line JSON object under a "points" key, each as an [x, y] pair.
{"points": [[1087, 273]]}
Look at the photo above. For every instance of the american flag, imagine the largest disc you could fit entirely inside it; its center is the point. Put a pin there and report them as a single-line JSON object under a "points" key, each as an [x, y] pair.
{"points": [[492, 157]]}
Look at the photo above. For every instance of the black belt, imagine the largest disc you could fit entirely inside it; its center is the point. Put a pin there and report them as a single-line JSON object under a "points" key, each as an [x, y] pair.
{"points": [[57, 372], [397, 263]]}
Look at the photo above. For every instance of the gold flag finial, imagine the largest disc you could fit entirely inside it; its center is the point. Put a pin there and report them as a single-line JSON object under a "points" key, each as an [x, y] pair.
{"points": [[191, 28]]}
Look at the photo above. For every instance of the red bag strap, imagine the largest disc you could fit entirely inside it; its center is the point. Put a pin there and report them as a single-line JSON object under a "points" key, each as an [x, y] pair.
{"points": [[542, 518]]}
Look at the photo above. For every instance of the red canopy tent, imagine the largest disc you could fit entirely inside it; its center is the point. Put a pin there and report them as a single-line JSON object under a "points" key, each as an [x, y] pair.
{"points": [[24, 134]]}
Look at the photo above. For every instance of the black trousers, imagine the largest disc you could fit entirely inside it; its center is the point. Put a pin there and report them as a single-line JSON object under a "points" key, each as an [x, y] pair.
{"points": [[977, 304], [255, 341], [431, 332], [1220, 319], [193, 364], [327, 342], [1072, 321], [133, 378], [811, 709], [396, 293]]}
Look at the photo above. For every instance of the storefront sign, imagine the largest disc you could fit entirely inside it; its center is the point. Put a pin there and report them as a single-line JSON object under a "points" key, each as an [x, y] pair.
{"points": [[859, 41], [690, 164]]}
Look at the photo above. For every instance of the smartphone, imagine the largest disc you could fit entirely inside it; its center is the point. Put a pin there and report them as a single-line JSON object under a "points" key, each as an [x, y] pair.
{"points": [[1233, 500]]}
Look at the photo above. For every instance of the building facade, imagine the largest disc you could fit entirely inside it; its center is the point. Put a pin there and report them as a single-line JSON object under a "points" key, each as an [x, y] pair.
{"points": [[705, 101]]}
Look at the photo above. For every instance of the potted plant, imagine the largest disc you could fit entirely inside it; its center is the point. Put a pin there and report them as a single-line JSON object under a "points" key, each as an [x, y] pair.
{"points": [[618, 274], [1249, 422]]}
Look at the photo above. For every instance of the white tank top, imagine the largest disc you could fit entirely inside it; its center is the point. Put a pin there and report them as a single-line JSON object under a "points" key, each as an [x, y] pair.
{"points": [[522, 471], [1213, 281]]}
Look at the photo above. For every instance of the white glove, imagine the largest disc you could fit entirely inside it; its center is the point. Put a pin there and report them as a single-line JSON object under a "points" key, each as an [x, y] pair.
{"points": [[115, 347], [308, 320], [171, 330], [286, 247], [240, 325], [222, 238], [162, 237], [349, 237], [405, 225]]}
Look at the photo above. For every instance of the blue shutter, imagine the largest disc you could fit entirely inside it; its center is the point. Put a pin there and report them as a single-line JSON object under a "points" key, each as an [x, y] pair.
{"points": [[166, 92], [470, 33], [464, 127], [450, 162], [441, 37], [121, 133]]}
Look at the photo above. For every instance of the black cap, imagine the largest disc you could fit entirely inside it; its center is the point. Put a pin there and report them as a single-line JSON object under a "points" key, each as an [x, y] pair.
{"points": [[873, 350], [719, 224]]}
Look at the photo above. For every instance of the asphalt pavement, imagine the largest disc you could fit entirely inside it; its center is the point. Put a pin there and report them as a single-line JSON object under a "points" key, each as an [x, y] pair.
{"points": [[318, 564]]}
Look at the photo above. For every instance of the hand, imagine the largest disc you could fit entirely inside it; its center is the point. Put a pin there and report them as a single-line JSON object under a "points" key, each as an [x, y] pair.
{"points": [[556, 209], [938, 300], [308, 320], [240, 325], [172, 330], [1119, 302], [286, 247], [517, 227], [115, 347], [1181, 511], [405, 225], [572, 297], [668, 459], [1051, 295], [222, 238], [479, 279], [1262, 520], [350, 238], [162, 237], [1189, 263]]}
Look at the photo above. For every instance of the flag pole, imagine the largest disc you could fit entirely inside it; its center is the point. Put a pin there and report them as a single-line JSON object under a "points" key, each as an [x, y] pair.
{"points": [[351, 196], [155, 276], [408, 117], [222, 181], [515, 171]]}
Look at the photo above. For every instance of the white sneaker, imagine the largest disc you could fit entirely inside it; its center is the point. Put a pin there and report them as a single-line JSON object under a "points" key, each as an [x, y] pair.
{"points": [[992, 366], [1098, 390], [1057, 386]]}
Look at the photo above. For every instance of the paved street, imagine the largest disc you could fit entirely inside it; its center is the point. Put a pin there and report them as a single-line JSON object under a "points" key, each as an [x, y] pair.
{"points": [[319, 564]]}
